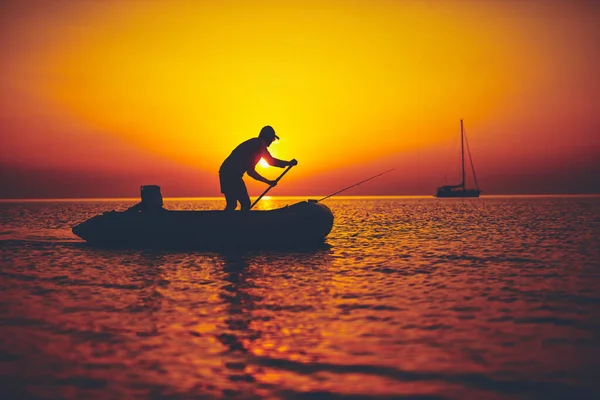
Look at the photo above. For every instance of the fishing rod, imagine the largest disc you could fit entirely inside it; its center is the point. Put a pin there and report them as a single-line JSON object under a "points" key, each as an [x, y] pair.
{"points": [[356, 184], [269, 188]]}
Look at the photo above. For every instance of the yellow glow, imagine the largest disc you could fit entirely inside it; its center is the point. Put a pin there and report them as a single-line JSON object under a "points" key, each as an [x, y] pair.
{"points": [[263, 163], [187, 78], [169, 88]]}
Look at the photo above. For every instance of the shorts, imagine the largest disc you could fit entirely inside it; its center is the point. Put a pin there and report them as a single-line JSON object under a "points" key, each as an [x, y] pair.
{"points": [[232, 185]]}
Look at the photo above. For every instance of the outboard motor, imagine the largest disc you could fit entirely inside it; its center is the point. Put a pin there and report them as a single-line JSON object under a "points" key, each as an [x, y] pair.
{"points": [[151, 197], [152, 201]]}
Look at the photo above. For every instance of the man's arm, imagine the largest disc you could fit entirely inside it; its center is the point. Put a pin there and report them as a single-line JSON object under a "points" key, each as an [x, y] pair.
{"points": [[275, 162], [253, 174]]}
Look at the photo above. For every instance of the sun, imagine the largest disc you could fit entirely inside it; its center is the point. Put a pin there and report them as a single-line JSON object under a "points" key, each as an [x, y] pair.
{"points": [[263, 163]]}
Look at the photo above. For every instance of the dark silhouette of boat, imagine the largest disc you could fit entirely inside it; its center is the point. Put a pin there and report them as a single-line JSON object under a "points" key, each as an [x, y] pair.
{"points": [[460, 190], [149, 225]]}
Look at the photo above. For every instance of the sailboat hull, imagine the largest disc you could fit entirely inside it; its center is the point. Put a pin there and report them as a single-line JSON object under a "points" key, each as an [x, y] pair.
{"points": [[456, 191]]}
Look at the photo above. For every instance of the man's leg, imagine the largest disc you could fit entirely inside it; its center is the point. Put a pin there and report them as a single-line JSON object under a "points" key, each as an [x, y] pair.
{"points": [[244, 198], [230, 189], [231, 200]]}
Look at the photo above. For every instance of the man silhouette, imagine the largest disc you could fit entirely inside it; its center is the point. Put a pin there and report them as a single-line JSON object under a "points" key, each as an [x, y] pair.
{"points": [[244, 159]]}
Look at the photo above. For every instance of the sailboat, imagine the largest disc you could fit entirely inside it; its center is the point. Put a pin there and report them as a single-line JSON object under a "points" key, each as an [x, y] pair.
{"points": [[460, 190]]}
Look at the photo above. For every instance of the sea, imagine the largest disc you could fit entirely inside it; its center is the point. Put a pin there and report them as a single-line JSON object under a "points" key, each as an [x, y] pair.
{"points": [[410, 298]]}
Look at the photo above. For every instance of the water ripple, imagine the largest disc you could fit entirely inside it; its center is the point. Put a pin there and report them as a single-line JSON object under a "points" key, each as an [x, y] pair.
{"points": [[493, 298]]}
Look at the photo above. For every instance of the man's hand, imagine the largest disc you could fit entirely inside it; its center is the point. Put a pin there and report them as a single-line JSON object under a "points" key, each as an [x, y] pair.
{"points": [[272, 183], [293, 162]]}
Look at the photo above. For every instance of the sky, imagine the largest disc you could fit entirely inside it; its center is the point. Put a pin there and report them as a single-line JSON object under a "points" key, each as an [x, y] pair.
{"points": [[98, 97]]}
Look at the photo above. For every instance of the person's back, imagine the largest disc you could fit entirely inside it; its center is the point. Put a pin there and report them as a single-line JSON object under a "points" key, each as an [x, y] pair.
{"points": [[244, 157]]}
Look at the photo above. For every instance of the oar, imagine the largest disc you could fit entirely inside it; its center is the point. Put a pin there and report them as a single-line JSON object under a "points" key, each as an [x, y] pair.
{"points": [[269, 188]]}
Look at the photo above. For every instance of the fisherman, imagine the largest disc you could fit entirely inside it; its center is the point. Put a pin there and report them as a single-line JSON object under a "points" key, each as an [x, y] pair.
{"points": [[244, 159]]}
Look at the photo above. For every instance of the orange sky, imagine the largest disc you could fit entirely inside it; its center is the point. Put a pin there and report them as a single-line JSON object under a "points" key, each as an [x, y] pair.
{"points": [[98, 97]]}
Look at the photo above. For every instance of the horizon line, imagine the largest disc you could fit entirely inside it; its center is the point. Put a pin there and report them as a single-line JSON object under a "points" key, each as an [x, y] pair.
{"points": [[347, 197]]}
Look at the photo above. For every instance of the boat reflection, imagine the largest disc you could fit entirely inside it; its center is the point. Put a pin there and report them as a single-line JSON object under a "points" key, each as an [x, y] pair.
{"points": [[256, 327], [237, 325]]}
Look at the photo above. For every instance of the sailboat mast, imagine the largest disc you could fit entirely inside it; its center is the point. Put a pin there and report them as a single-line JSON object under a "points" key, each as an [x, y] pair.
{"points": [[462, 154]]}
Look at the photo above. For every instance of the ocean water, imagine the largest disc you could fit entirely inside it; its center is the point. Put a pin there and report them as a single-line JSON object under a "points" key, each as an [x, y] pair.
{"points": [[489, 298]]}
